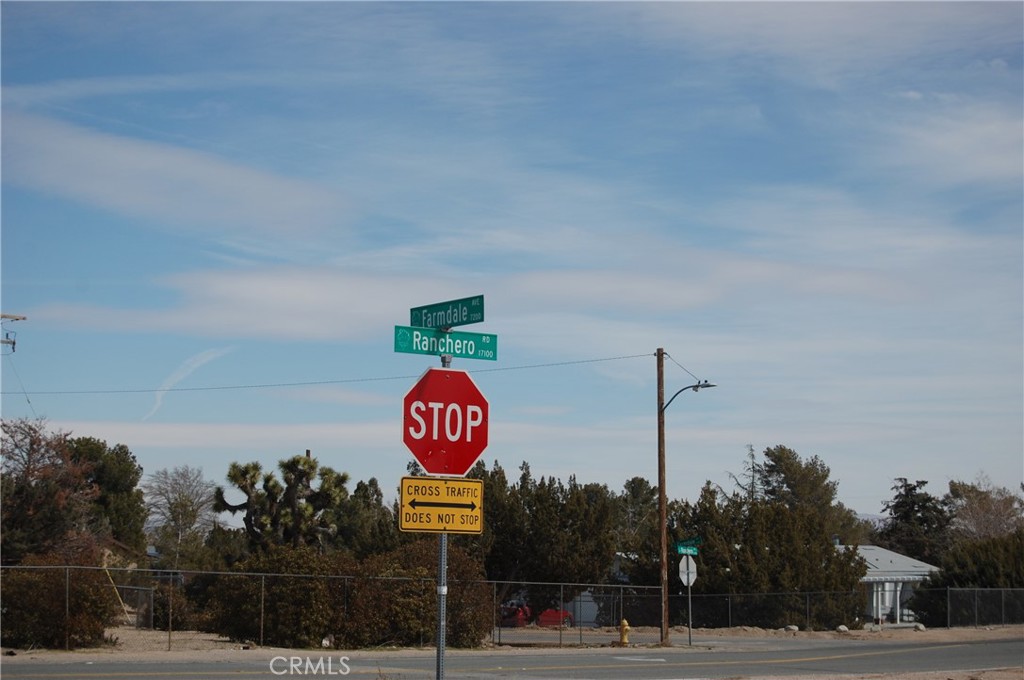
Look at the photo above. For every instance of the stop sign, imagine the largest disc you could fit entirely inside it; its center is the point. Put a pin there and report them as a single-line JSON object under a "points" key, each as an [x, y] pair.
{"points": [[445, 422]]}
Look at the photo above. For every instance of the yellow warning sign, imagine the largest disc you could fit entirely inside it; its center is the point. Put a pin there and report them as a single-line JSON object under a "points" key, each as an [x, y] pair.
{"points": [[451, 505]]}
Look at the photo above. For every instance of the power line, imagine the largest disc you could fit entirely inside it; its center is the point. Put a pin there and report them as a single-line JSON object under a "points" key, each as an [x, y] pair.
{"points": [[309, 383], [682, 367], [10, 361]]}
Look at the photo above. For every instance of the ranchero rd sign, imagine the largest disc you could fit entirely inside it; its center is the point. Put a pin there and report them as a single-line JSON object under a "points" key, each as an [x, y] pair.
{"points": [[458, 344]]}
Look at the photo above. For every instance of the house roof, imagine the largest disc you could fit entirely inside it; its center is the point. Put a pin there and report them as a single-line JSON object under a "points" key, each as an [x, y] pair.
{"points": [[886, 565]]}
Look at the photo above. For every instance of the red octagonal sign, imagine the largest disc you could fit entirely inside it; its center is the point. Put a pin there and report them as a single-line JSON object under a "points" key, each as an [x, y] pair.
{"points": [[445, 422]]}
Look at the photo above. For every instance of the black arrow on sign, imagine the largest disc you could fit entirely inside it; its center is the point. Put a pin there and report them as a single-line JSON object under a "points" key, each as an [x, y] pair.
{"points": [[414, 504]]}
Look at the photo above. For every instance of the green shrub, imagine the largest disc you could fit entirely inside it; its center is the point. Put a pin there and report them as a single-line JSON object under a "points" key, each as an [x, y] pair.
{"points": [[393, 600], [388, 599], [286, 607], [56, 607], [179, 611]]}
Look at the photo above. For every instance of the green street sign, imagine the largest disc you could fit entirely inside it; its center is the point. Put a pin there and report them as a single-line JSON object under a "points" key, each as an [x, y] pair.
{"points": [[447, 314], [437, 342], [695, 540], [686, 550]]}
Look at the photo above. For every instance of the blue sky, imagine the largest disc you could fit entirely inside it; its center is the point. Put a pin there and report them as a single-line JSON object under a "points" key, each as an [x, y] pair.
{"points": [[817, 206]]}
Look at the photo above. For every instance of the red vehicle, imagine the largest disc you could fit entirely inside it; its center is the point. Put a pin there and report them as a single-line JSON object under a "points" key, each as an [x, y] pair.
{"points": [[515, 614], [553, 618]]}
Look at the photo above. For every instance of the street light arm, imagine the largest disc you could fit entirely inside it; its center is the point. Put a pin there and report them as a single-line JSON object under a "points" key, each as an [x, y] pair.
{"points": [[697, 386]]}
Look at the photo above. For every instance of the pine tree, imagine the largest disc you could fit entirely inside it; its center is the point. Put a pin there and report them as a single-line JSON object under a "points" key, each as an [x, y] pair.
{"points": [[779, 541], [119, 505], [918, 523], [636, 532], [365, 526]]}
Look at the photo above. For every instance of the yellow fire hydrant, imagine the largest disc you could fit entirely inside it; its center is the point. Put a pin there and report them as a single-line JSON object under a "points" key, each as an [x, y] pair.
{"points": [[623, 633]]}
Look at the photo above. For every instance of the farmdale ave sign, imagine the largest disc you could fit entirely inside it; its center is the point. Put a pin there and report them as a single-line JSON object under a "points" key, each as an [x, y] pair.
{"points": [[447, 314]]}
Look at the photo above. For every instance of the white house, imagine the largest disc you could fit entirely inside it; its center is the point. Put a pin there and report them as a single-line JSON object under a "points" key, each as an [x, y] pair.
{"points": [[890, 580]]}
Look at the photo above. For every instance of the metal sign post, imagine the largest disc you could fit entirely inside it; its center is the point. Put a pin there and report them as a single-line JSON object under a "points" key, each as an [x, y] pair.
{"points": [[442, 603], [688, 574], [442, 581], [443, 505]]}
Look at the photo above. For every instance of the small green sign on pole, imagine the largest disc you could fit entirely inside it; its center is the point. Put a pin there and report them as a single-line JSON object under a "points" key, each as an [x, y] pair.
{"points": [[447, 314], [437, 342], [686, 550]]}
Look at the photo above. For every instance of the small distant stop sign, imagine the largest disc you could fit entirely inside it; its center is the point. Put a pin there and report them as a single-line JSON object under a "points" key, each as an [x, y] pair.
{"points": [[445, 422]]}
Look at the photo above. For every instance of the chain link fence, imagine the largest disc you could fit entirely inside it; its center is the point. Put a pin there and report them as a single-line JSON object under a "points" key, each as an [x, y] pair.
{"points": [[163, 610], [988, 607]]}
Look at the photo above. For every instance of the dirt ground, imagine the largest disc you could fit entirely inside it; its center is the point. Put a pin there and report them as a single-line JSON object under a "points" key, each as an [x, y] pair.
{"points": [[878, 633], [147, 644], [936, 635], [130, 639]]}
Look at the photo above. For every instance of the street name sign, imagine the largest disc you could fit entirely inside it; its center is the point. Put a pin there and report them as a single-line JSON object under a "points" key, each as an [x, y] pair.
{"points": [[444, 422], [434, 341], [686, 549], [687, 570], [447, 314], [441, 505]]}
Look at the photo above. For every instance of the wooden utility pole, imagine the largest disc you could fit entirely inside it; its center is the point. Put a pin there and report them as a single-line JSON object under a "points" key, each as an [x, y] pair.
{"points": [[662, 499], [662, 495]]}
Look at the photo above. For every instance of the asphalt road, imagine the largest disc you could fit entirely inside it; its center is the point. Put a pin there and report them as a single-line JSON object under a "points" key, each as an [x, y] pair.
{"points": [[730, 659]]}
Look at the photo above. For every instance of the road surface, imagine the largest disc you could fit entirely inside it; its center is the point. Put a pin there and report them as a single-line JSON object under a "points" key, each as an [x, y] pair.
{"points": [[730, 658]]}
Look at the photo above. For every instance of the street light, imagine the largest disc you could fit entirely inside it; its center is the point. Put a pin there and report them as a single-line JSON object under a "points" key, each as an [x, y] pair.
{"points": [[662, 500]]}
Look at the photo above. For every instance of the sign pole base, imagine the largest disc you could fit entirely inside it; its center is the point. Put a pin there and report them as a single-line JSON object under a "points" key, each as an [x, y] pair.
{"points": [[689, 614], [442, 597]]}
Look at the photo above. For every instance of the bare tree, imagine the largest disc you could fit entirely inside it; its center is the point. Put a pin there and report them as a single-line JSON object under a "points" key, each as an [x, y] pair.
{"points": [[982, 510], [180, 505], [46, 496]]}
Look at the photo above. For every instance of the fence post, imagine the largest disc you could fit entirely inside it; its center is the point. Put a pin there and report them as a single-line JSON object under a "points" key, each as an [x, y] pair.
{"points": [[577, 610], [976, 607], [561, 606], [495, 621], [263, 586], [170, 609], [949, 623], [807, 601], [67, 608]]}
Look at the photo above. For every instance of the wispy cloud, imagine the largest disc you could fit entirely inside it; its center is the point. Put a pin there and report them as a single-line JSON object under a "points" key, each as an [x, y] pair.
{"points": [[187, 368], [952, 145], [171, 186], [271, 302], [825, 42]]}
